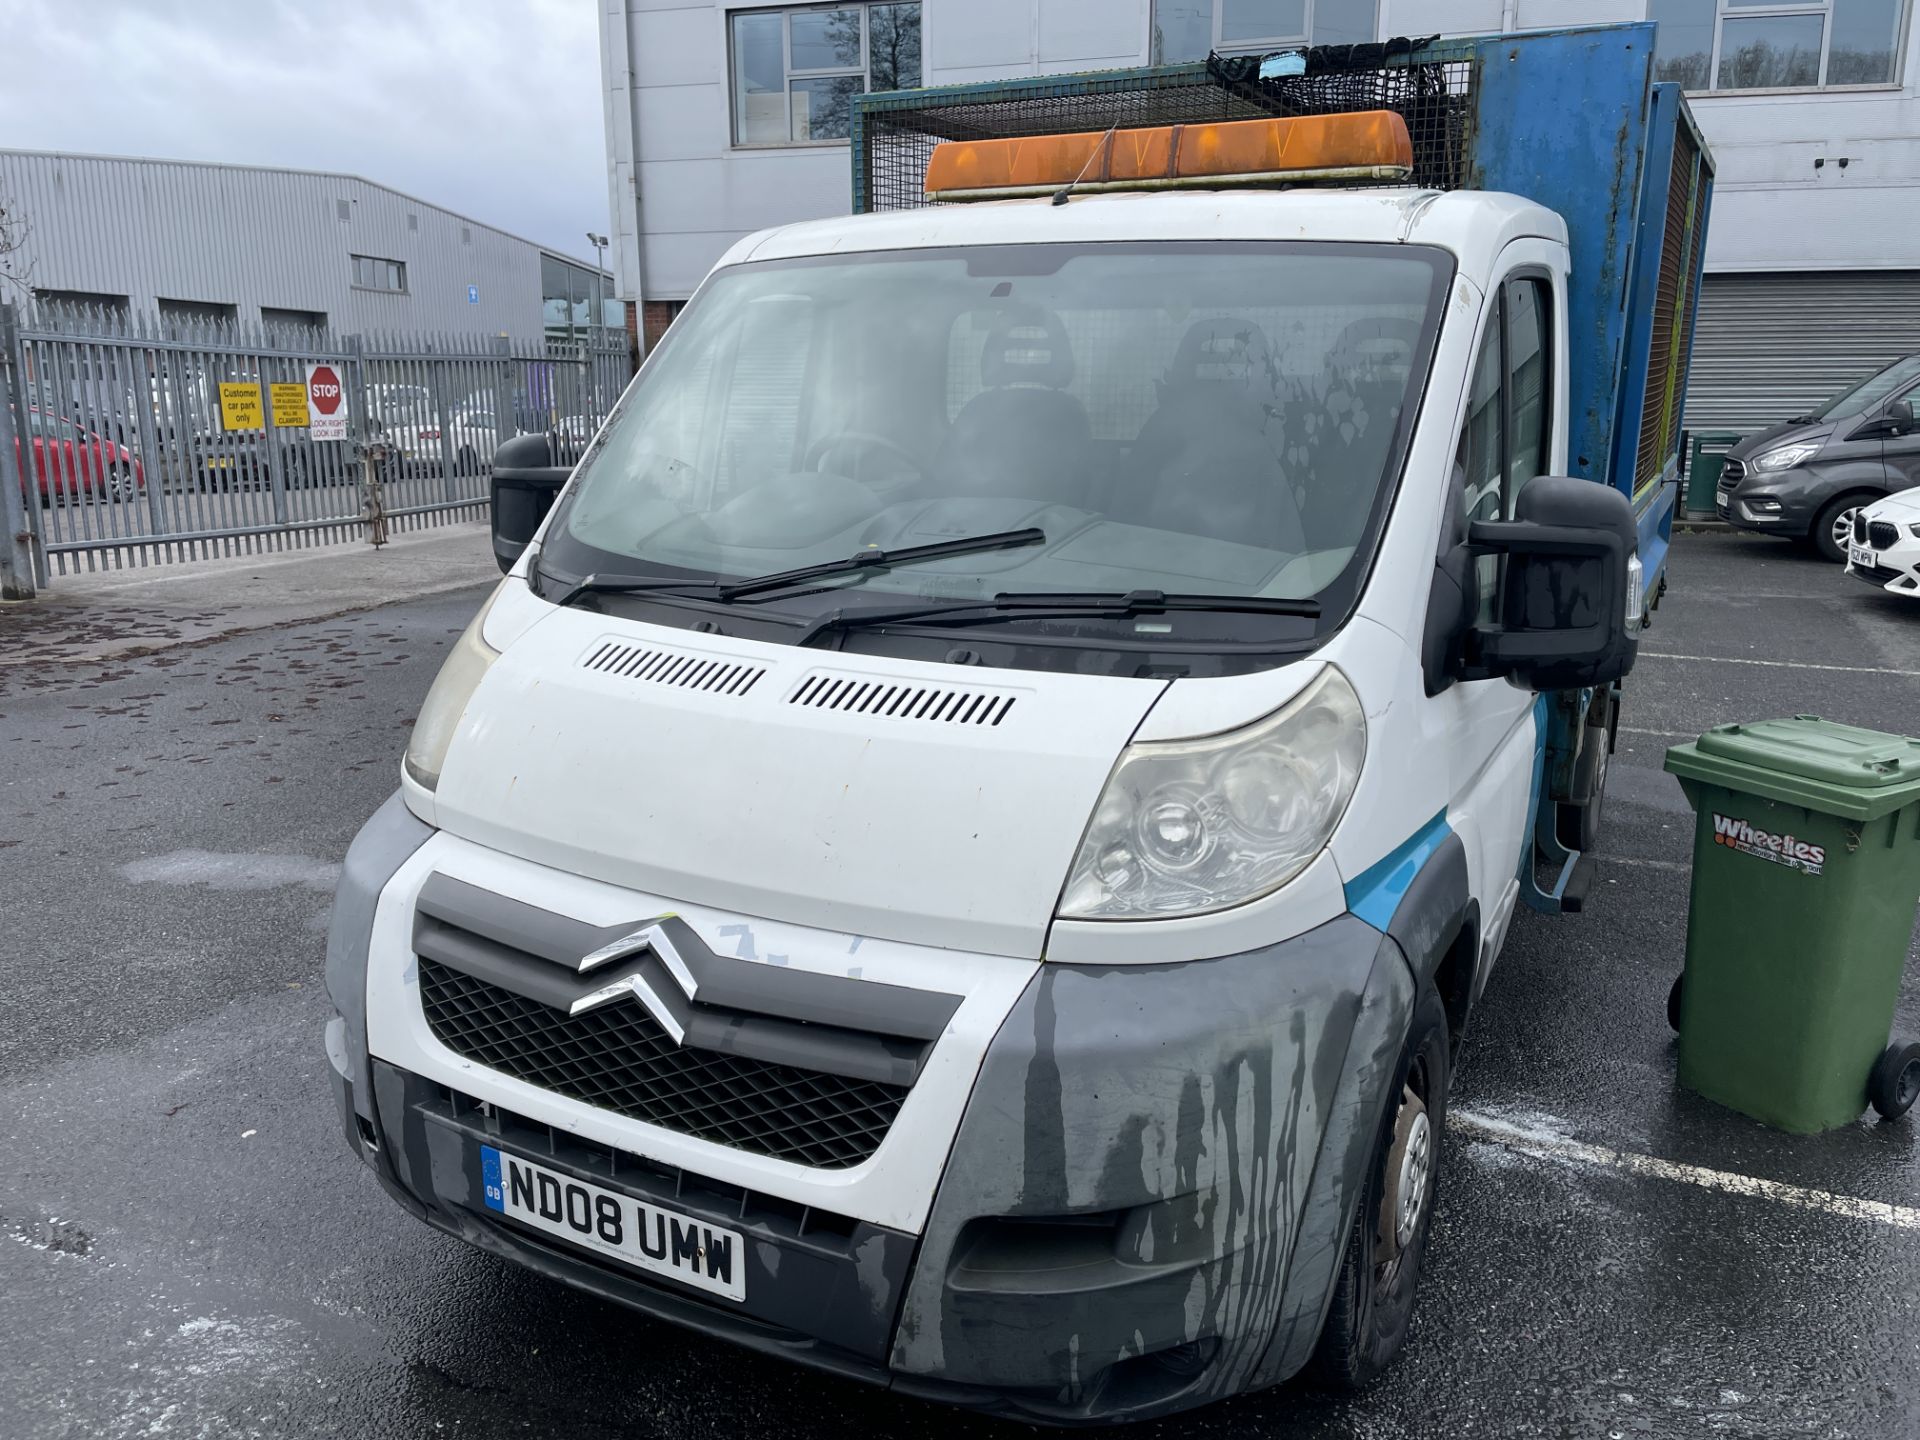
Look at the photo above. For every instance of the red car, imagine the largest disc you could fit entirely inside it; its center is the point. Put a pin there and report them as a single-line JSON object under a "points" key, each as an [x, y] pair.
{"points": [[73, 463]]}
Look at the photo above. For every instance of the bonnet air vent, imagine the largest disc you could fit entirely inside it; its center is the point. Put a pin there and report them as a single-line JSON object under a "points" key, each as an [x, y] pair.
{"points": [[894, 700], [657, 665]]}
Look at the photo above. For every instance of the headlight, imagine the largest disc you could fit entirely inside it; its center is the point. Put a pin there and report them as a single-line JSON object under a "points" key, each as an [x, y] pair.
{"points": [[1189, 826], [1786, 457], [446, 702]]}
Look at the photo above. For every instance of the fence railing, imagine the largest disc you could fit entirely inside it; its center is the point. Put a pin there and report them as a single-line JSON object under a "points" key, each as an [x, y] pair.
{"points": [[127, 440]]}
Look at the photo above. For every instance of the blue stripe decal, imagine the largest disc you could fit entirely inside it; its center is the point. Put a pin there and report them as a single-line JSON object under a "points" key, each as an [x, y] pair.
{"points": [[490, 1177], [1375, 893]]}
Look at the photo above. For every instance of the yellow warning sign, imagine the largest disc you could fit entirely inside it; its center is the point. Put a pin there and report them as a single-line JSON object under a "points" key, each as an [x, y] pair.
{"points": [[289, 406], [240, 406]]}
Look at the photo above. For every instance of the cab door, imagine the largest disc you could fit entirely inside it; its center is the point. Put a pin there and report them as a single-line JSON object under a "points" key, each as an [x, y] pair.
{"points": [[1510, 432], [1900, 446]]}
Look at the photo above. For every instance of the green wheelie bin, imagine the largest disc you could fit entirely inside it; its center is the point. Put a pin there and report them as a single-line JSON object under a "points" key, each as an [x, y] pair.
{"points": [[1806, 872]]}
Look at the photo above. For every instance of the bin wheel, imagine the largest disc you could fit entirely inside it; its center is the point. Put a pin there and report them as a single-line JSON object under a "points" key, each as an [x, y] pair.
{"points": [[1673, 1002], [1895, 1082]]}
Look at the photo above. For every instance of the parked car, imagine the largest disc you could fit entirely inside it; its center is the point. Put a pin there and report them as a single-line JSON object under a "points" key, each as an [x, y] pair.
{"points": [[1808, 477], [472, 431], [1884, 546], [72, 463]]}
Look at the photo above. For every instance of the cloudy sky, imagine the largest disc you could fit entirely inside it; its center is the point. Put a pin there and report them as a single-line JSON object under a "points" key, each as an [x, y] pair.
{"points": [[489, 107]]}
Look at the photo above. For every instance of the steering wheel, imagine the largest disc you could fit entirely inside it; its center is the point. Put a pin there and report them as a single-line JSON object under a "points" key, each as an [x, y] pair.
{"points": [[826, 445]]}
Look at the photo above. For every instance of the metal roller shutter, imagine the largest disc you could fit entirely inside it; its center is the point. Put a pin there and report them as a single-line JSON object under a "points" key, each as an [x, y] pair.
{"points": [[1777, 345]]}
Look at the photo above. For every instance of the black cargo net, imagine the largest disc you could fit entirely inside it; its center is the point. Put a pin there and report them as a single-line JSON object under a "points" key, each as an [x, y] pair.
{"points": [[1431, 94]]}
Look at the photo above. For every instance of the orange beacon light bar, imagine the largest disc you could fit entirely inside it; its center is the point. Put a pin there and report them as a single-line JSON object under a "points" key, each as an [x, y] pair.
{"points": [[1362, 145]]}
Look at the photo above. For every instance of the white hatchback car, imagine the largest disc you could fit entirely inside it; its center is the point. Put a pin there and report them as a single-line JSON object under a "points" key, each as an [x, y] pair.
{"points": [[1884, 548]]}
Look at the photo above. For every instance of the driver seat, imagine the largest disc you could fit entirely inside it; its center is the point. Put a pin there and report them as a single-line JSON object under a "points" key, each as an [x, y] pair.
{"points": [[1203, 463], [1023, 436]]}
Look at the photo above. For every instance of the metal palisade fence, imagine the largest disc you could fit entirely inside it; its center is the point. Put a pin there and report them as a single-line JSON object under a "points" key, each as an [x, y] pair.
{"points": [[129, 441]]}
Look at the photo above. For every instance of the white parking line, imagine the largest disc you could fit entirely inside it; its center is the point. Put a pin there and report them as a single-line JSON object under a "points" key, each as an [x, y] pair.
{"points": [[1548, 1145], [1646, 654]]}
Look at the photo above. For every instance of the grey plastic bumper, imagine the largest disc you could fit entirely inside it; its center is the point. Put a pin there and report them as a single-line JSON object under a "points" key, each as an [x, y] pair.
{"points": [[1143, 1210], [383, 845], [1154, 1179]]}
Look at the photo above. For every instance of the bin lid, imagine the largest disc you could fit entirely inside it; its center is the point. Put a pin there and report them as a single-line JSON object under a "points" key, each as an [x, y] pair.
{"points": [[1821, 764]]}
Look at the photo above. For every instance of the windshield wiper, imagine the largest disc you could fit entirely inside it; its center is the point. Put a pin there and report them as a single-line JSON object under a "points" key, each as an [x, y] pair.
{"points": [[882, 560], [1059, 605], [727, 592], [597, 584]]}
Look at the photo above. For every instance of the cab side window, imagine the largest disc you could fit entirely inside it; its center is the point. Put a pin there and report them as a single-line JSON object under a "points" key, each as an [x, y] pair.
{"points": [[1480, 465], [1509, 420], [1529, 406]]}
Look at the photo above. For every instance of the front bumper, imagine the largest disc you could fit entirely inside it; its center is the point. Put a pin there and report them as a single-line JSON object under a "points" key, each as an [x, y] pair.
{"points": [[1792, 518], [1895, 569], [1142, 1202]]}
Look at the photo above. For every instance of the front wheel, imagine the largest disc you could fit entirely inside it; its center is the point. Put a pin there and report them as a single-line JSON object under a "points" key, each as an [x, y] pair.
{"points": [[1374, 1290], [1833, 526]]}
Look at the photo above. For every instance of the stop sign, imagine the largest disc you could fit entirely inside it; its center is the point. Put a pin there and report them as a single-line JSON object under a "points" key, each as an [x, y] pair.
{"points": [[323, 389]]}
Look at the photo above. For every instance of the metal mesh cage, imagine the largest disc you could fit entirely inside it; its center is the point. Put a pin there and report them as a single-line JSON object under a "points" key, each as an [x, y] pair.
{"points": [[1430, 84]]}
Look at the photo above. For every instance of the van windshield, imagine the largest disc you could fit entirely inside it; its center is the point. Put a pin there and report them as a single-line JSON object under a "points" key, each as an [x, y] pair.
{"points": [[1871, 391], [1210, 418]]}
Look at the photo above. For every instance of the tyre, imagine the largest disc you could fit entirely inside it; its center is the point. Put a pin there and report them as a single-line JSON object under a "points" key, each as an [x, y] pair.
{"points": [[1834, 524], [1895, 1082], [1379, 1272], [468, 463], [1673, 1002], [1577, 821]]}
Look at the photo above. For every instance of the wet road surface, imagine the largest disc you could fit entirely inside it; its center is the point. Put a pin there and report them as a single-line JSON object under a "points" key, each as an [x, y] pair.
{"points": [[187, 1249]]}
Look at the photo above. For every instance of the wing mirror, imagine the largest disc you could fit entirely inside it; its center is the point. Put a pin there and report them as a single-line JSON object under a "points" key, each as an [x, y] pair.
{"points": [[1567, 597], [526, 481], [1897, 418]]}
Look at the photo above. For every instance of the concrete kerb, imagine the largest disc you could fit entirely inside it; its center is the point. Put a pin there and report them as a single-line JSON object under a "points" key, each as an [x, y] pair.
{"points": [[120, 614]]}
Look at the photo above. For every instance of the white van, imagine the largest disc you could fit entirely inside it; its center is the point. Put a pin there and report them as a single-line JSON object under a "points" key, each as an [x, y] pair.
{"points": [[962, 851]]}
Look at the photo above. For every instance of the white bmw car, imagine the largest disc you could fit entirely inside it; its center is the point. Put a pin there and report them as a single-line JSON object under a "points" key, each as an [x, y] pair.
{"points": [[1884, 548]]}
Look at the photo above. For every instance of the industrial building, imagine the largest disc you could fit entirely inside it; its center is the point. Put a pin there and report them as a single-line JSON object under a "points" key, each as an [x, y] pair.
{"points": [[283, 248], [725, 116]]}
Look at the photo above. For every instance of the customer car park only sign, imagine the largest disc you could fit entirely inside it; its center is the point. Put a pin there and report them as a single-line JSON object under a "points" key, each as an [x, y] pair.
{"points": [[326, 403]]}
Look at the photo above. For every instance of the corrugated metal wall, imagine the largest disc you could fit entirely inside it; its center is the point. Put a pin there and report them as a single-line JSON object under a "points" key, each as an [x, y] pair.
{"points": [[1773, 346], [248, 237]]}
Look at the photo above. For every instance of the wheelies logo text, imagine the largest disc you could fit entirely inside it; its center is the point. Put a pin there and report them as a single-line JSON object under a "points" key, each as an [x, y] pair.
{"points": [[1780, 849]]}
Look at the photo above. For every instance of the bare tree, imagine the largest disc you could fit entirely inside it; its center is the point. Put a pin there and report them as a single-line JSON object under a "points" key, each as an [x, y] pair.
{"points": [[893, 46], [16, 267]]}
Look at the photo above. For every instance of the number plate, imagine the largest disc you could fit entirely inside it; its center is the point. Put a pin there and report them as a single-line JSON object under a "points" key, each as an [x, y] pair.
{"points": [[1721, 498], [647, 1237], [1862, 557]]}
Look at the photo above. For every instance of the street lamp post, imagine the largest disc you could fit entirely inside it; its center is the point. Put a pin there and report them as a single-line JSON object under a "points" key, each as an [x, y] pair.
{"points": [[599, 243]]}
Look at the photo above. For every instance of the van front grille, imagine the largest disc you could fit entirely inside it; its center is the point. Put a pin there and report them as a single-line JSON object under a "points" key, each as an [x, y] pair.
{"points": [[618, 1057]]}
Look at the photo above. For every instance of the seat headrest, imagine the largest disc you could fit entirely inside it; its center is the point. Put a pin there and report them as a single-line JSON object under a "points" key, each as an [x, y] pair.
{"points": [[1026, 346], [1221, 350], [1384, 342]]}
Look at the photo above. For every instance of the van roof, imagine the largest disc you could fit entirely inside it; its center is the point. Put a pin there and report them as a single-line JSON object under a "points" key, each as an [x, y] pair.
{"points": [[1473, 225]]}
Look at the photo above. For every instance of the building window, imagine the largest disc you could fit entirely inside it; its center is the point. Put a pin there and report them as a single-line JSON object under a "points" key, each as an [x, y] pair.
{"points": [[218, 312], [795, 72], [372, 273], [1791, 45], [567, 296], [282, 318], [1189, 29], [82, 300]]}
